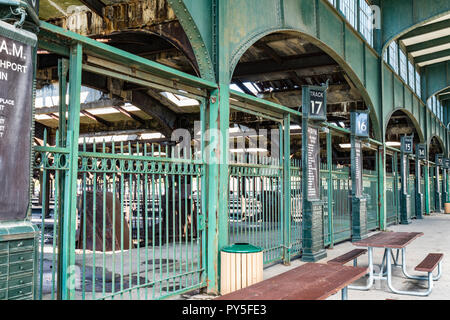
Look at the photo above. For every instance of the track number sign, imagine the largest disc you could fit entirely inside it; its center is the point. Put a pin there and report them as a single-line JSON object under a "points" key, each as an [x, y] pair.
{"points": [[407, 145], [315, 103]]}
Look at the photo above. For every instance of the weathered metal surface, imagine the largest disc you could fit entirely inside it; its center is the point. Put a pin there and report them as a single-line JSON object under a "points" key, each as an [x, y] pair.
{"points": [[95, 212], [311, 281]]}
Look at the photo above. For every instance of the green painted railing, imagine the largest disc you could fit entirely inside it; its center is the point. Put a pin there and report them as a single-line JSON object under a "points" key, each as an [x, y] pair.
{"points": [[432, 188], [412, 195], [255, 204], [391, 200], [342, 219], [370, 191], [296, 208], [139, 227]]}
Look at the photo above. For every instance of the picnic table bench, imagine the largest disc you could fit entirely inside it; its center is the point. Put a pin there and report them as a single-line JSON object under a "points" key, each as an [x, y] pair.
{"points": [[399, 240], [311, 281]]}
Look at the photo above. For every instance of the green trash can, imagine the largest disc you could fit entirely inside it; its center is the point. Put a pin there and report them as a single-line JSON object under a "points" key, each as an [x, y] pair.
{"points": [[241, 266]]}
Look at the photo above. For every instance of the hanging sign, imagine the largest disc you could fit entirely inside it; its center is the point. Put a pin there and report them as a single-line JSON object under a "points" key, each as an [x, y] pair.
{"points": [[439, 160], [315, 102], [16, 85], [447, 163], [313, 164], [421, 151], [360, 124], [407, 144]]}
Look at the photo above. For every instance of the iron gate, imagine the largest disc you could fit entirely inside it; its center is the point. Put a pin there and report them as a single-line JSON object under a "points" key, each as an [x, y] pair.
{"points": [[370, 190], [139, 223], [255, 204]]}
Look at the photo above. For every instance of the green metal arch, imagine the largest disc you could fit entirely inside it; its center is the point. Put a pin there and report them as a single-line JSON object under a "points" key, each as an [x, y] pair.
{"points": [[440, 142], [430, 12], [437, 78], [253, 38], [190, 27], [438, 92], [411, 117]]}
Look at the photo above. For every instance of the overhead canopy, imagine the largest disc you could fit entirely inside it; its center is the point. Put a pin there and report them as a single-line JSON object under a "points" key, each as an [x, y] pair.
{"points": [[429, 44]]}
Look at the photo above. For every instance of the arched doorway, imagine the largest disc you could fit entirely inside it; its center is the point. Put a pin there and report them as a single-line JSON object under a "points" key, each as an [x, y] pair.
{"points": [[275, 68], [400, 124]]}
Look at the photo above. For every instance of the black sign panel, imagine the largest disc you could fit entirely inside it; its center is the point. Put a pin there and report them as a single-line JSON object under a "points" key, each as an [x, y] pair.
{"points": [[315, 103], [421, 151], [407, 145], [313, 164], [358, 169], [16, 76], [447, 163], [439, 160], [360, 124]]}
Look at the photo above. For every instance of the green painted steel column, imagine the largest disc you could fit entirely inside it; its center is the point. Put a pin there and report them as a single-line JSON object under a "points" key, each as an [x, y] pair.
{"points": [[382, 186], [287, 189], [426, 169], [404, 196], [330, 188], [358, 201], [419, 192], [438, 196], [217, 183], [312, 223], [63, 69], [396, 182], [68, 271]]}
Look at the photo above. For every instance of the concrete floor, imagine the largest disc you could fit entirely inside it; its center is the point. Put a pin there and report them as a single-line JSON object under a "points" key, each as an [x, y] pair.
{"points": [[436, 239]]}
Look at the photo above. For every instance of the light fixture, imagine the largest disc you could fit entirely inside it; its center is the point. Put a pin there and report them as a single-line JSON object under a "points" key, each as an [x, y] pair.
{"points": [[393, 144]]}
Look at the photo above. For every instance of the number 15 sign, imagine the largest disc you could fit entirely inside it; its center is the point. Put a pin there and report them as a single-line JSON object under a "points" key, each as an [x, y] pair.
{"points": [[315, 102]]}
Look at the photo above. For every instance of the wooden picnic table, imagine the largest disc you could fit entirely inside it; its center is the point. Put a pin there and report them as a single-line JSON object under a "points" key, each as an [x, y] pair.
{"points": [[311, 281], [390, 241], [395, 240]]}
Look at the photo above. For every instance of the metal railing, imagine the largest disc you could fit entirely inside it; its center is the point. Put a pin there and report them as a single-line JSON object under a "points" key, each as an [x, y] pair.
{"points": [[139, 222]]}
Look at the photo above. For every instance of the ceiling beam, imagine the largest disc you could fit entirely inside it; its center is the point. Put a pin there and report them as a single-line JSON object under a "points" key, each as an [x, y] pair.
{"points": [[129, 114], [445, 96], [432, 56], [95, 118], [83, 106], [95, 5], [429, 28], [251, 69], [243, 87], [428, 44]]}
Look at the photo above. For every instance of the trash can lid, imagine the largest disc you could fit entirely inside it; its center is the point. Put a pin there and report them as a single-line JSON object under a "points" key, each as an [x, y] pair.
{"points": [[242, 248]]}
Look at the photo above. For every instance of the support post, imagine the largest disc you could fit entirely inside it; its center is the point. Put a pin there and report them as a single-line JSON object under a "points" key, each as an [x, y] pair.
{"points": [[68, 273], [382, 186], [217, 183], [314, 107], [396, 182], [438, 197], [359, 203], [405, 210], [405, 202], [330, 186], [427, 187], [63, 69], [287, 189], [420, 156], [359, 128]]}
